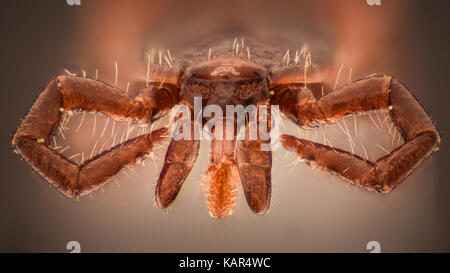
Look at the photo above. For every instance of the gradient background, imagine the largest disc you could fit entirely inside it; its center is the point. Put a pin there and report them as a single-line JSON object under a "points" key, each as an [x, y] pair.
{"points": [[310, 211]]}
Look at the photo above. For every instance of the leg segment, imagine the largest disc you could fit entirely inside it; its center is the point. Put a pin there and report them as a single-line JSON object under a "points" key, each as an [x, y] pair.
{"points": [[96, 171], [66, 93], [380, 92]]}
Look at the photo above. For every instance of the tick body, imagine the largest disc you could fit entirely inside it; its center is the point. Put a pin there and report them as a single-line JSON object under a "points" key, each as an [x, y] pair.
{"points": [[227, 72]]}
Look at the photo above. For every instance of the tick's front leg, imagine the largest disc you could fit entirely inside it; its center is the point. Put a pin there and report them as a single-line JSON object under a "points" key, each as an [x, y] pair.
{"points": [[73, 180], [31, 139], [375, 93]]}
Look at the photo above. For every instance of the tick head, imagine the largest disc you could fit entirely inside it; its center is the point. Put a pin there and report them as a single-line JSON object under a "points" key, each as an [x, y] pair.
{"points": [[226, 81]]}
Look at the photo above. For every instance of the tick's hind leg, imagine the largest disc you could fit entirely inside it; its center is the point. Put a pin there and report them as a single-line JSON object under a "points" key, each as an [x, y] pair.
{"points": [[381, 92], [31, 139]]}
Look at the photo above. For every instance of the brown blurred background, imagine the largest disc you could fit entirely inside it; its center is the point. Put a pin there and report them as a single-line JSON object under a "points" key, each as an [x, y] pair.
{"points": [[406, 39]]}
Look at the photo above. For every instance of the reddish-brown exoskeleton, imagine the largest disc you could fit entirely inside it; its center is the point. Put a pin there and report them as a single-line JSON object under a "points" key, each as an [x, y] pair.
{"points": [[227, 72]]}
